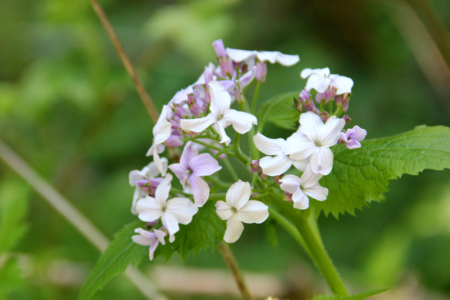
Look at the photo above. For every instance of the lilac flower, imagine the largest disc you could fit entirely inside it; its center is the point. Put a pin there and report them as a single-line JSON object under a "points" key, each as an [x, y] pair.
{"points": [[281, 162], [221, 115], [191, 167], [353, 136], [161, 132], [328, 95], [301, 188], [321, 79], [173, 211], [145, 181], [238, 208], [148, 238], [313, 139], [344, 101], [236, 87], [308, 104]]}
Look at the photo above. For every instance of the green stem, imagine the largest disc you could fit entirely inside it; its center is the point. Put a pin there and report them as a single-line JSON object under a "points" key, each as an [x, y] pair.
{"points": [[255, 97], [230, 168], [290, 228], [321, 257], [203, 143], [330, 106]]}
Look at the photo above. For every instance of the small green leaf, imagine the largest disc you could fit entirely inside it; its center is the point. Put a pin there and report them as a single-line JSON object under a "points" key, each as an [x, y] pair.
{"points": [[119, 254], [280, 110], [362, 175], [206, 230], [13, 210], [354, 297]]}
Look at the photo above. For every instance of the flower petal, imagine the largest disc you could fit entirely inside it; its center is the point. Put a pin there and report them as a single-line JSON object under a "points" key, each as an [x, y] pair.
{"points": [[181, 172], [309, 178], [241, 121], [223, 210], [220, 128], [197, 125], [269, 146], [200, 189], [204, 165], [276, 165], [300, 164], [238, 194], [301, 201], [317, 192], [290, 183], [234, 229], [317, 82], [182, 209], [275, 56], [253, 212], [308, 72], [238, 55], [163, 189], [189, 152], [311, 125], [138, 194], [162, 128], [220, 99], [330, 133], [321, 161], [148, 209], [160, 235], [342, 84], [170, 222], [298, 146]]}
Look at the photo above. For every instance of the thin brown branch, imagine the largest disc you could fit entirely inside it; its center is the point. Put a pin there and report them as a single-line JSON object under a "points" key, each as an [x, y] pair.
{"points": [[126, 62], [75, 217], [423, 48], [235, 271]]}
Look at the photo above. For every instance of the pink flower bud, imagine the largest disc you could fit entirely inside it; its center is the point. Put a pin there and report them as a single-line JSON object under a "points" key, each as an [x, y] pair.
{"points": [[254, 164], [343, 100], [261, 71]]}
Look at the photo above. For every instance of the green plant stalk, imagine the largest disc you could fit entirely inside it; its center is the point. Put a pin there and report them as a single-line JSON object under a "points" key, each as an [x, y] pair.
{"points": [[321, 258], [255, 97]]}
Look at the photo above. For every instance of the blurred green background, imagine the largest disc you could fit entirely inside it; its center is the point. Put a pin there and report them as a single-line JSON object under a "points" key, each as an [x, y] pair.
{"points": [[68, 107]]}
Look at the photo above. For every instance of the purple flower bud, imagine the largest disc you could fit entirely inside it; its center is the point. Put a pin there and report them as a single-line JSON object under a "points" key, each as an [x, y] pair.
{"points": [[227, 67], [324, 115], [220, 49], [195, 105], [262, 175], [288, 197], [353, 136], [344, 101], [308, 104], [174, 139], [254, 195], [150, 225], [261, 71], [208, 76], [180, 111], [175, 124], [254, 164], [328, 95], [347, 119], [277, 178]]}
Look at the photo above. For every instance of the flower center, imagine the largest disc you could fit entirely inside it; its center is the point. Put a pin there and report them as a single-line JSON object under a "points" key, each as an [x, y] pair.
{"points": [[219, 117], [164, 208], [234, 209], [318, 143]]}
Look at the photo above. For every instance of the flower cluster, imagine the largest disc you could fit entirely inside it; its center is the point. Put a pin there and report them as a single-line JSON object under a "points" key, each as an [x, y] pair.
{"points": [[196, 118]]}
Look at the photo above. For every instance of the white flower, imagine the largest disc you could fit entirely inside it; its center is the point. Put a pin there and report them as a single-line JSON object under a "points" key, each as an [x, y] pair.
{"points": [[172, 212], [321, 79], [221, 115], [145, 176], [270, 56], [301, 188], [281, 162], [238, 208], [147, 238], [161, 132], [314, 139]]}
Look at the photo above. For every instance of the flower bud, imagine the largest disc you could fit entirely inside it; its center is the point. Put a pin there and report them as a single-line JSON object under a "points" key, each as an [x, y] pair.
{"points": [[347, 119], [261, 71], [254, 164], [324, 115], [308, 104], [344, 101]]}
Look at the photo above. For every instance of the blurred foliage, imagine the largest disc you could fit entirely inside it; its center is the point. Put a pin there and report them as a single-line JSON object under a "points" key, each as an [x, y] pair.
{"points": [[68, 107]]}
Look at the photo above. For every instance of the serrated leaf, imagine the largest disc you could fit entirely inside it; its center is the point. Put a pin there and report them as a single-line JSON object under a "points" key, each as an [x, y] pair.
{"points": [[361, 296], [205, 231], [13, 210], [280, 110], [119, 254], [362, 175]]}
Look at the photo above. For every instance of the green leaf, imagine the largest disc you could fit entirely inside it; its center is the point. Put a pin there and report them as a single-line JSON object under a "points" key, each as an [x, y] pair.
{"points": [[206, 230], [119, 254], [362, 175], [11, 278], [13, 210], [354, 297], [280, 110]]}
